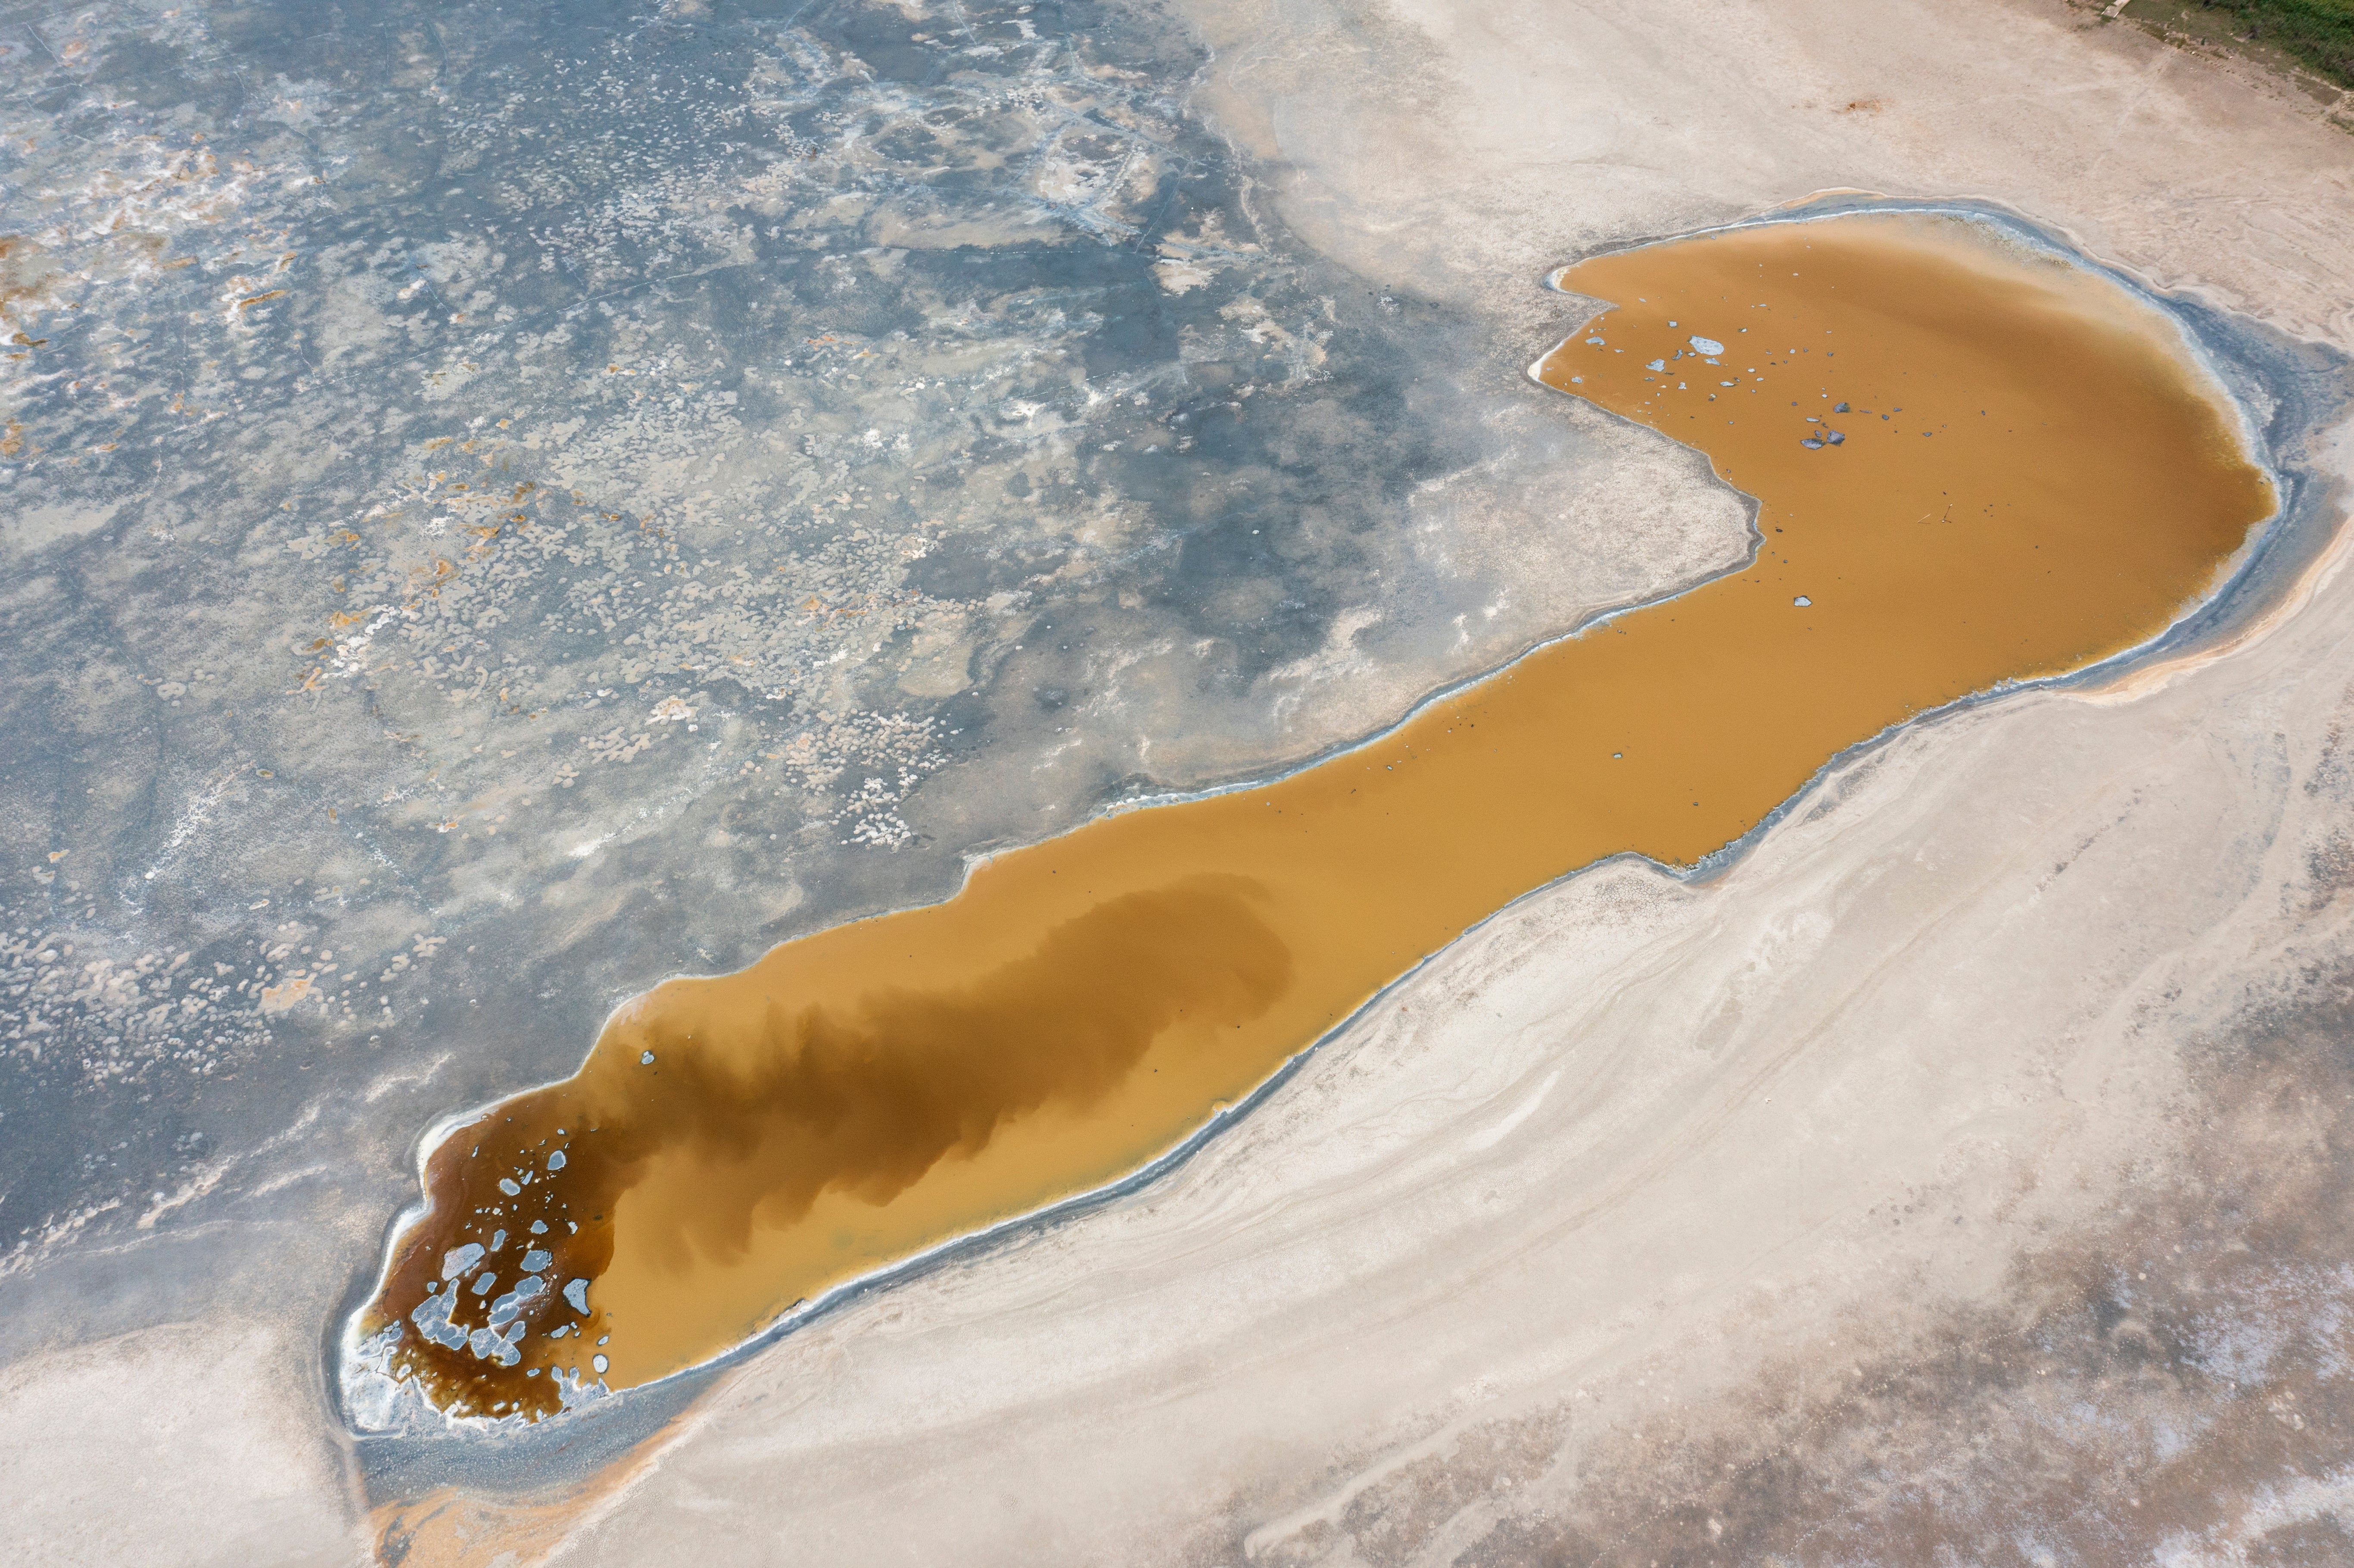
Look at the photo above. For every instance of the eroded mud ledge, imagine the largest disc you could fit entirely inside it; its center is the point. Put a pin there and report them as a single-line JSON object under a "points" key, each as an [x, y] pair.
{"points": [[1244, 981]]}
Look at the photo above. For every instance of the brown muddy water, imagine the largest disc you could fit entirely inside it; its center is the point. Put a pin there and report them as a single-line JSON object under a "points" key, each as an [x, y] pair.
{"points": [[2028, 474]]}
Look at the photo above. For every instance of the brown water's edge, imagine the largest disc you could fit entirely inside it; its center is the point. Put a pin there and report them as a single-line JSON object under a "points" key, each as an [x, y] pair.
{"points": [[1230, 942]]}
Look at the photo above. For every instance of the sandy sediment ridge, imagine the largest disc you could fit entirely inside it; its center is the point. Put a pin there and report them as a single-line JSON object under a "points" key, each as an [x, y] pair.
{"points": [[1467, 149]]}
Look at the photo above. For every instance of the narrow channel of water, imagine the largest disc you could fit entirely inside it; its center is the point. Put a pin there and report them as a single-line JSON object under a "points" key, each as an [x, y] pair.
{"points": [[1975, 464]]}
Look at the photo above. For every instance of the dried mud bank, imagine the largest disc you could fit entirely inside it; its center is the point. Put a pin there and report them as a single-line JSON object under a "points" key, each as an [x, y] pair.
{"points": [[2162, 1381], [1861, 271]]}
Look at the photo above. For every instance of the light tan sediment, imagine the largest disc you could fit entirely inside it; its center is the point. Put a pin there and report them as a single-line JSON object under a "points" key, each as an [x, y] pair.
{"points": [[2053, 480]]}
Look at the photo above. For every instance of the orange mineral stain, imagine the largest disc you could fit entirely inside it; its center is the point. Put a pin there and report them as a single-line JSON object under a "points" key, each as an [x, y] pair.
{"points": [[2019, 470]]}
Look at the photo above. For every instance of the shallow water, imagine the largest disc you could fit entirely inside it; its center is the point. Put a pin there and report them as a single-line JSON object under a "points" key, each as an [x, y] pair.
{"points": [[2030, 475]]}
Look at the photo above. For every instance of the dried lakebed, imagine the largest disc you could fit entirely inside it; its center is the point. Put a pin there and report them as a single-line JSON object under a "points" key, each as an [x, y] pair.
{"points": [[1976, 462]]}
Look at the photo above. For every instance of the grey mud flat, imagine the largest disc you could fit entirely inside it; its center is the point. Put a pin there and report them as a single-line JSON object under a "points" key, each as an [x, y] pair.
{"points": [[506, 505]]}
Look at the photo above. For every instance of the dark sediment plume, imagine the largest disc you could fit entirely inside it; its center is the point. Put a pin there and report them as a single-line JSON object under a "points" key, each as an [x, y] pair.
{"points": [[1975, 464], [864, 1101]]}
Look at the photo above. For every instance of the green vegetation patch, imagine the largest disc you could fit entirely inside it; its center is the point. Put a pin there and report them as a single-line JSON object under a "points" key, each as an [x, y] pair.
{"points": [[2319, 32]]}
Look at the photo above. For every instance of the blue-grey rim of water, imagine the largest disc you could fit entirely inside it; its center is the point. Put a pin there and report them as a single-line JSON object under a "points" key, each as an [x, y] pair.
{"points": [[2308, 386]]}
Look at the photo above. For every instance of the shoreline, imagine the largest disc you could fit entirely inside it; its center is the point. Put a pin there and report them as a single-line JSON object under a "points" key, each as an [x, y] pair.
{"points": [[2249, 583]]}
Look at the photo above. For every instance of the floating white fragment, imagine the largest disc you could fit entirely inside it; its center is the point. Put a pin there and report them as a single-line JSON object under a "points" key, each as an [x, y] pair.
{"points": [[1657, 364], [1707, 345], [507, 1308], [508, 1185], [456, 1261], [433, 1319], [601, 1364], [496, 1345], [1593, 340], [498, 1240], [1802, 601], [555, 1160], [645, 1059], [577, 1294], [536, 1259]]}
